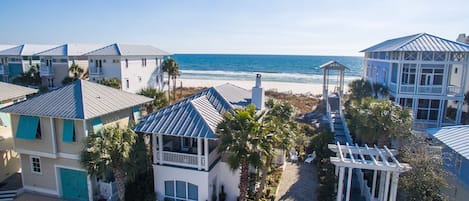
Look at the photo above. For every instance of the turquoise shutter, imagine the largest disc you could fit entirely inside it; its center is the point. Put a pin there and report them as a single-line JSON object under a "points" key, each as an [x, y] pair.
{"points": [[68, 130], [136, 113], [27, 127], [97, 124]]}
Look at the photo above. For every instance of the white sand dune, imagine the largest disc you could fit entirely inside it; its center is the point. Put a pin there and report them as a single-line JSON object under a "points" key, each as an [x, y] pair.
{"points": [[288, 87]]}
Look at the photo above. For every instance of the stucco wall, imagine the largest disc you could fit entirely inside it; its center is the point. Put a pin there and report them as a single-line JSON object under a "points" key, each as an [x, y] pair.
{"points": [[45, 144], [67, 147]]}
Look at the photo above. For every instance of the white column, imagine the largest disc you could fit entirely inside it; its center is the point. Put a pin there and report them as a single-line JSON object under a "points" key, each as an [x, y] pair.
{"points": [[394, 182], [199, 153], [340, 183], [155, 145], [386, 188], [373, 186], [52, 128], [381, 186], [160, 148], [459, 112], [206, 153], [349, 184]]}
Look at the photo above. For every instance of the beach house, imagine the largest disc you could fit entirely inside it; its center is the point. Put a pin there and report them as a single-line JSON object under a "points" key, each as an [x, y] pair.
{"points": [[56, 62], [19, 59], [49, 131], [9, 94], [424, 73], [455, 156], [186, 162], [136, 66]]}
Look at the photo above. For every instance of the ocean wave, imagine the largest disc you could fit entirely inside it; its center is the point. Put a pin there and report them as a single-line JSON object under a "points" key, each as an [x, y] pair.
{"points": [[267, 76]]}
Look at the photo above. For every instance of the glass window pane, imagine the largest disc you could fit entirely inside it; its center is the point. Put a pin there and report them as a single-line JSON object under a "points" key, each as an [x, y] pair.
{"points": [[192, 191], [423, 103], [422, 114], [435, 104], [169, 188], [180, 189], [433, 115]]}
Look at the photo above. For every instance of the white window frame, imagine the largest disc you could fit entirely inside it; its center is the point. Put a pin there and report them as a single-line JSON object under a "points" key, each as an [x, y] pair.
{"points": [[31, 162]]}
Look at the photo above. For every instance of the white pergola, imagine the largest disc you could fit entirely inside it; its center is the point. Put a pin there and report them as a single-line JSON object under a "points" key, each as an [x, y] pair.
{"points": [[381, 161]]}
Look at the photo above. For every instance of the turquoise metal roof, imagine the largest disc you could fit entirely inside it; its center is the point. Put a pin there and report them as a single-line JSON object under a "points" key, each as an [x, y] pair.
{"points": [[455, 137], [419, 42], [197, 115]]}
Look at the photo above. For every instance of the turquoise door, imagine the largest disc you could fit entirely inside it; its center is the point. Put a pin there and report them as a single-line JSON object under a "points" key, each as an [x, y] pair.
{"points": [[74, 185]]}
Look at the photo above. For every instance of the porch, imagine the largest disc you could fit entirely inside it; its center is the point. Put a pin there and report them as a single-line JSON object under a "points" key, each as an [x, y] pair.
{"points": [[451, 90], [199, 153]]}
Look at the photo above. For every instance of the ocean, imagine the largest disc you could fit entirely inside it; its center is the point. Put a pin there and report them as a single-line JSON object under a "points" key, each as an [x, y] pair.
{"points": [[279, 68]]}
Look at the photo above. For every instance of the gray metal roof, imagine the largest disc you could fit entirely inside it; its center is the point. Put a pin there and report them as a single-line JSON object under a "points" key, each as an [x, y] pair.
{"points": [[455, 137], [4, 46], [11, 91], [117, 49], [197, 115], [419, 42], [25, 50], [70, 50], [333, 65], [79, 100]]}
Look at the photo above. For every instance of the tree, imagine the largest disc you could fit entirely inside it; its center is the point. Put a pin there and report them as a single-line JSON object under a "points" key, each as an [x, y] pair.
{"points": [[359, 89], [380, 89], [159, 99], [427, 176], [31, 77], [238, 134], [111, 82], [76, 70], [277, 132], [376, 121], [172, 68], [109, 150]]}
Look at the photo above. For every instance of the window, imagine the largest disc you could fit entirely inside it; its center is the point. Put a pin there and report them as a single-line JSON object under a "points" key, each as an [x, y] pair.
{"points": [[394, 72], [116, 61], [35, 165], [127, 83], [140, 78], [406, 102], [68, 134], [457, 56], [455, 70], [28, 127], [428, 109], [99, 63], [126, 63], [30, 61], [410, 55], [38, 131], [408, 74], [144, 62], [431, 74], [180, 190]]}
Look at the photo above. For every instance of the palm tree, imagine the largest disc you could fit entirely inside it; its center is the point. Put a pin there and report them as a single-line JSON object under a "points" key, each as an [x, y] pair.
{"points": [[238, 134], [111, 82], [170, 66], [108, 150], [159, 100], [360, 89], [76, 70], [277, 133]]}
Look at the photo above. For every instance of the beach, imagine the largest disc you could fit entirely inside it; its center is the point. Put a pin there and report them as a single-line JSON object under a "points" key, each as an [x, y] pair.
{"points": [[287, 87]]}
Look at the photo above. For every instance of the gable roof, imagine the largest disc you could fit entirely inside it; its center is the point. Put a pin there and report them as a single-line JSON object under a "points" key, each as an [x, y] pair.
{"points": [[333, 65], [197, 115], [12, 91], [117, 49], [4, 46], [79, 100], [70, 50], [419, 42], [25, 49], [455, 137]]}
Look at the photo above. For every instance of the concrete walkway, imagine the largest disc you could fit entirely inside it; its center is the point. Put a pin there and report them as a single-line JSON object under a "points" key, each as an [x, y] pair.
{"points": [[298, 183], [36, 197]]}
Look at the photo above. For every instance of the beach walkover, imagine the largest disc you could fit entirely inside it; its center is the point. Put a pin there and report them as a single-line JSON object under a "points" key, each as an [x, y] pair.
{"points": [[298, 182]]}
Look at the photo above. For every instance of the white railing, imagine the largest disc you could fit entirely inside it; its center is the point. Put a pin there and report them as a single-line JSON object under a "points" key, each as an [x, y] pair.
{"points": [[96, 71], [430, 89], [407, 89], [392, 87], [107, 191], [186, 160], [454, 90], [46, 71]]}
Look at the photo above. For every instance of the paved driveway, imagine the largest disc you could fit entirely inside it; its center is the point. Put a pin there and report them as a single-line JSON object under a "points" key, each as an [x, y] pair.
{"points": [[36, 197], [298, 183]]}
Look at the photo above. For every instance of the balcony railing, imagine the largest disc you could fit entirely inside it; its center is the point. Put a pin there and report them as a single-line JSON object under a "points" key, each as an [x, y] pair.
{"points": [[430, 89], [407, 89], [392, 87], [454, 90], [3, 70], [186, 160], [96, 72], [46, 71]]}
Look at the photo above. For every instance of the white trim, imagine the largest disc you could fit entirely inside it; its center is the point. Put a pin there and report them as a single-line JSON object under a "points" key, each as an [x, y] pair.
{"points": [[36, 153], [21, 165], [40, 190], [32, 165], [54, 143], [68, 156]]}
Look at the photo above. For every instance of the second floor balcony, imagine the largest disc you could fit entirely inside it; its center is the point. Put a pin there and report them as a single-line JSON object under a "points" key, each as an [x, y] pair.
{"points": [[46, 71], [197, 153], [451, 90]]}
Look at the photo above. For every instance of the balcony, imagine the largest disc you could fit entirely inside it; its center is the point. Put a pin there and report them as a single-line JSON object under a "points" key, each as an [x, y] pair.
{"points": [[3, 70], [46, 71], [454, 90], [96, 72], [185, 152]]}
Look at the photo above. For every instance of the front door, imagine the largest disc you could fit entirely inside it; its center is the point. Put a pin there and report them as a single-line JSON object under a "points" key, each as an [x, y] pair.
{"points": [[74, 184]]}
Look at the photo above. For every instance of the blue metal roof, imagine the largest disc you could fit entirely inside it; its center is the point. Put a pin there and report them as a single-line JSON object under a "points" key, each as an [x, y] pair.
{"points": [[455, 137], [197, 115], [419, 42]]}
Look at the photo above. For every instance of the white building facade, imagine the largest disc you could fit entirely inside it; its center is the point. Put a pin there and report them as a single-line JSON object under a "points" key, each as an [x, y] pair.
{"points": [[136, 66], [424, 73]]}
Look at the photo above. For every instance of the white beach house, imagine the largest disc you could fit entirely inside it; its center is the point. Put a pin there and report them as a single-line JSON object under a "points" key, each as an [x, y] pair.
{"points": [[49, 131], [136, 66], [9, 94], [19, 59], [55, 62], [186, 162], [424, 73]]}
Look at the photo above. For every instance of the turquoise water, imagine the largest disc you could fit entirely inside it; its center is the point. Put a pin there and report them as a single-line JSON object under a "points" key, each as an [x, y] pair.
{"points": [[281, 68]]}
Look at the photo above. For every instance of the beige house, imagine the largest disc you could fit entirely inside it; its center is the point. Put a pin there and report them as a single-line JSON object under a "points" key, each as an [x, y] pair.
{"points": [[9, 94], [49, 131]]}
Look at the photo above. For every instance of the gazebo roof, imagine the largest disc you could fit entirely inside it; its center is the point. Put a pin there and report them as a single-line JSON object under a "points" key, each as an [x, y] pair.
{"points": [[333, 65]]}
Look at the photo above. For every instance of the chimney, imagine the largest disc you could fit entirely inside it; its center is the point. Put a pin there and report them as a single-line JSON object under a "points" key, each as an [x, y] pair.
{"points": [[461, 38], [258, 94]]}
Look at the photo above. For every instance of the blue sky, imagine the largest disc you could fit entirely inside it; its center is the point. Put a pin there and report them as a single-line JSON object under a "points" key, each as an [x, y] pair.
{"points": [[308, 27]]}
